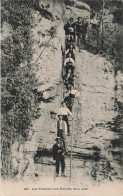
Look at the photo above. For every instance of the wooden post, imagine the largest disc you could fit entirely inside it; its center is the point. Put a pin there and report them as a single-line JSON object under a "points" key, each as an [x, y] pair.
{"points": [[62, 91], [71, 156], [102, 24], [75, 46], [75, 39], [62, 73]]}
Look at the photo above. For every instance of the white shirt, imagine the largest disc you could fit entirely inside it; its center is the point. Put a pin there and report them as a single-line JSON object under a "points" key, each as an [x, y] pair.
{"points": [[68, 60], [64, 111], [94, 21], [75, 92]]}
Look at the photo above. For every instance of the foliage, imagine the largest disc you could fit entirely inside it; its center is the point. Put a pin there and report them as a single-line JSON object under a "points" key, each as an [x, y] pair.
{"points": [[117, 13], [107, 38], [18, 99]]}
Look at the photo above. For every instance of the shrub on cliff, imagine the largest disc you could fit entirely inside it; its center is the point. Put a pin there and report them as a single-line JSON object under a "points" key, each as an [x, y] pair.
{"points": [[17, 95]]}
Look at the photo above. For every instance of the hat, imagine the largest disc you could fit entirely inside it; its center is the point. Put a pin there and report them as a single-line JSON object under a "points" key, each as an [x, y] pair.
{"points": [[57, 138], [80, 17]]}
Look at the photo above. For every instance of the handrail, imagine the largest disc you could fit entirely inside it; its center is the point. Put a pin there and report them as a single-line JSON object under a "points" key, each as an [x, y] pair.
{"points": [[72, 123]]}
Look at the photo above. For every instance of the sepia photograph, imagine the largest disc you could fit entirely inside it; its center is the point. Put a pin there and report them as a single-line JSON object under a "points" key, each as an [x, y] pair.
{"points": [[61, 98]]}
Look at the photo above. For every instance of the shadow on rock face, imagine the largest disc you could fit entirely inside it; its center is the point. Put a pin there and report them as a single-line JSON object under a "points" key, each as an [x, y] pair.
{"points": [[44, 12]]}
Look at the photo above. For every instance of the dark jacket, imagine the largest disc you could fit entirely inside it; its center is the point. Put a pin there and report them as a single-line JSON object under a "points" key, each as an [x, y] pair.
{"points": [[67, 29], [78, 27], [56, 154], [84, 27]]}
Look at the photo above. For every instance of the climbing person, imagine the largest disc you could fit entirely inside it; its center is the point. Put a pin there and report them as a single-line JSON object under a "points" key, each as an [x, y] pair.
{"points": [[62, 130], [72, 27], [64, 111], [69, 60], [68, 79], [66, 28], [59, 156], [69, 100], [70, 50], [69, 41], [69, 27], [73, 93], [78, 25], [69, 63], [95, 28], [94, 22], [84, 30]]}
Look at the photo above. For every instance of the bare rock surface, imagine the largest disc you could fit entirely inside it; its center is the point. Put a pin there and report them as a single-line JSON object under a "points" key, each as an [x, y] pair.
{"points": [[93, 159]]}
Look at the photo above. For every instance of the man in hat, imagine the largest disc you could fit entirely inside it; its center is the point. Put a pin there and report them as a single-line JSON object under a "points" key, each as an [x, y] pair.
{"points": [[59, 156], [71, 22], [78, 25], [69, 27], [84, 29]]}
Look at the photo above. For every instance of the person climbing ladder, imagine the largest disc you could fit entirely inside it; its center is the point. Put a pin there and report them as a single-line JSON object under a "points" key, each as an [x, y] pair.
{"points": [[62, 130], [64, 111]]}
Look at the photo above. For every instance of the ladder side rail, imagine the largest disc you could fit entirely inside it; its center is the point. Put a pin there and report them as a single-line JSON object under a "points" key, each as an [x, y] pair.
{"points": [[71, 156]]}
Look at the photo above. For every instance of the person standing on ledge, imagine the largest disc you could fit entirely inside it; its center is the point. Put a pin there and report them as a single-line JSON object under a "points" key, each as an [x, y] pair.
{"points": [[59, 156], [84, 30], [78, 25]]}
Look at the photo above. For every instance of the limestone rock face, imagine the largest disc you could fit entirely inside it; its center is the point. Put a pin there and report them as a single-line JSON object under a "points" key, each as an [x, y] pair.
{"points": [[96, 112]]}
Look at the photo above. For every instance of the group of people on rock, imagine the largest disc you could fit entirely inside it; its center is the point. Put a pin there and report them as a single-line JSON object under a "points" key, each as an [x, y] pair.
{"points": [[63, 127], [73, 31], [60, 148], [78, 28]]}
